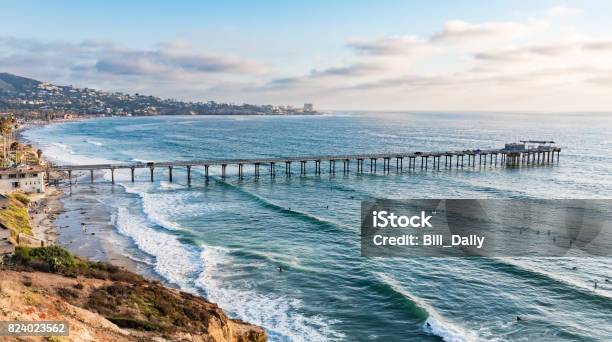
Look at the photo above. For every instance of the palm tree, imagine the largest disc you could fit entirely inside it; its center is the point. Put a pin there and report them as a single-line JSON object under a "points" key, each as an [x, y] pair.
{"points": [[7, 123]]}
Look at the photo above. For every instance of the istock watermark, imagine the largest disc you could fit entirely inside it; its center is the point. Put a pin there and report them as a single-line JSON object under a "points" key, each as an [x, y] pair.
{"points": [[486, 227]]}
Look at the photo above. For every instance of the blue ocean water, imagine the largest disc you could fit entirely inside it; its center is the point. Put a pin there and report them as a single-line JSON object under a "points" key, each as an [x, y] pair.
{"points": [[225, 239]]}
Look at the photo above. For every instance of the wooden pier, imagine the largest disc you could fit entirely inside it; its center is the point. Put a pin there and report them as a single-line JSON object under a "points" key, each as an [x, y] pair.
{"points": [[510, 156]]}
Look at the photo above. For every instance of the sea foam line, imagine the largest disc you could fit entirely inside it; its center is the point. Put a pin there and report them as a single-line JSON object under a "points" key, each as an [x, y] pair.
{"points": [[277, 314], [173, 260], [435, 324]]}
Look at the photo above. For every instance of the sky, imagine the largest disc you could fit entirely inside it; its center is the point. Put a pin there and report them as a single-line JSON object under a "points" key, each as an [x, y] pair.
{"points": [[535, 55]]}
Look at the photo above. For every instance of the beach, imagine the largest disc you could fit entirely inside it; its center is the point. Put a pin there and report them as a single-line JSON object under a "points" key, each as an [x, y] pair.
{"points": [[44, 209], [80, 228]]}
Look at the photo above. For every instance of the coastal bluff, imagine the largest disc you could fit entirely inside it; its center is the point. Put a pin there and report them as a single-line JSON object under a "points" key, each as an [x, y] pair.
{"points": [[103, 302]]}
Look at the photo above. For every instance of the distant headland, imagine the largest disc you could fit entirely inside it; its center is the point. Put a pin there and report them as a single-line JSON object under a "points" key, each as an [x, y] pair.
{"points": [[36, 100]]}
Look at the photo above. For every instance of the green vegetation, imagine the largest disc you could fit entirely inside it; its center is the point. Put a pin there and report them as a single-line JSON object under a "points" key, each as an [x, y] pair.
{"points": [[16, 217], [58, 260], [7, 124], [130, 323], [21, 197], [131, 306], [55, 257]]}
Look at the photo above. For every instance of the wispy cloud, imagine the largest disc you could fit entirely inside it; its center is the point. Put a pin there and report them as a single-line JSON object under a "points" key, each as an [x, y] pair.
{"points": [[97, 62], [564, 11], [458, 30]]}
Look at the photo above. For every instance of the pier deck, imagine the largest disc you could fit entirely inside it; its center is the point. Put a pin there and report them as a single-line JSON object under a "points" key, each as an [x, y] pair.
{"points": [[456, 158]]}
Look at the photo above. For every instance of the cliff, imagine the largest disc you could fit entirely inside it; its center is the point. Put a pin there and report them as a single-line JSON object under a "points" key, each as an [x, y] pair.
{"points": [[103, 302]]}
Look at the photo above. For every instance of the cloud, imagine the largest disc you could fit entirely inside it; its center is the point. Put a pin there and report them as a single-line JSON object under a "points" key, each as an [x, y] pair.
{"points": [[98, 63], [547, 51], [388, 46], [564, 11], [458, 30], [157, 62]]}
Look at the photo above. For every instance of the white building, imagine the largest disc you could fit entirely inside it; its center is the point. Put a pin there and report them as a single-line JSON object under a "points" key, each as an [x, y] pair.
{"points": [[28, 179]]}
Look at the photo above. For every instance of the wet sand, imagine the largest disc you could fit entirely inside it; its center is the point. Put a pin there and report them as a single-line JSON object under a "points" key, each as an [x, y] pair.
{"points": [[44, 208], [86, 226]]}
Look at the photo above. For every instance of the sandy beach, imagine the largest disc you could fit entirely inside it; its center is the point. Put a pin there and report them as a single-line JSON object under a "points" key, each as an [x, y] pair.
{"points": [[82, 228], [44, 209]]}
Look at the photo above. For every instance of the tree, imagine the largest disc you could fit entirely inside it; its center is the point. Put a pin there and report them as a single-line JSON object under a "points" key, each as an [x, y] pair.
{"points": [[7, 123]]}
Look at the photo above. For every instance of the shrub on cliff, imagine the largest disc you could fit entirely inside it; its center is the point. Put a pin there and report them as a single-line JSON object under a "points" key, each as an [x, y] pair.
{"points": [[21, 197], [16, 217], [55, 257], [58, 260]]}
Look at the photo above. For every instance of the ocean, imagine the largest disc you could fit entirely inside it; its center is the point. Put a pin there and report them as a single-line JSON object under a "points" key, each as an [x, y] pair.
{"points": [[226, 239]]}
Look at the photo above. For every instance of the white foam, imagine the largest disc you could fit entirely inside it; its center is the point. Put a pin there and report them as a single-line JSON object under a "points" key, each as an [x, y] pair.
{"points": [[140, 160], [278, 315], [157, 207], [172, 186], [173, 260], [438, 325], [93, 142], [60, 152]]}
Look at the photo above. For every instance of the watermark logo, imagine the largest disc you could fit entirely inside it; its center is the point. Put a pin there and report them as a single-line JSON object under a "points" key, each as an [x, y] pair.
{"points": [[486, 227]]}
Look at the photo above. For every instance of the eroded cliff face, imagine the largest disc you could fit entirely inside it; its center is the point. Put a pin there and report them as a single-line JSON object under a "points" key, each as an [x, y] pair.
{"points": [[115, 306]]}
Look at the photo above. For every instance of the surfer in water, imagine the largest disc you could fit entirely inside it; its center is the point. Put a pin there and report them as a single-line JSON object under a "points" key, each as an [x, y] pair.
{"points": [[518, 318], [280, 268]]}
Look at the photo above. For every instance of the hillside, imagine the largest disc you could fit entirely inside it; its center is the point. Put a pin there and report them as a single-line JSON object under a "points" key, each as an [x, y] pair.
{"points": [[39, 100], [14, 83], [102, 302]]}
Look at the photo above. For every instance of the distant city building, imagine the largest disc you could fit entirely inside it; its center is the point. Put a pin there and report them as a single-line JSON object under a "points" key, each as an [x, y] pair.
{"points": [[308, 107], [28, 179]]}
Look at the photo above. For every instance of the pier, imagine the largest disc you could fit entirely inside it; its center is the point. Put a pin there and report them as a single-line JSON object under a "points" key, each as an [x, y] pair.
{"points": [[514, 155]]}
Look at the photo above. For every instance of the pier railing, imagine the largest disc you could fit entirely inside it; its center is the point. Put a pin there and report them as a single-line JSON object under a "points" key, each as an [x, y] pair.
{"points": [[457, 158]]}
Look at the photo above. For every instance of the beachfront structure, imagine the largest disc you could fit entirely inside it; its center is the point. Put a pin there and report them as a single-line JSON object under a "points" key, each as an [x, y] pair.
{"points": [[308, 107], [29, 179], [511, 156]]}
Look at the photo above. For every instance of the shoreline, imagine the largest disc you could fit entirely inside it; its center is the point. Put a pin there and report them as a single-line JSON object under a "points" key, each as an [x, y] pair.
{"points": [[43, 210], [47, 208]]}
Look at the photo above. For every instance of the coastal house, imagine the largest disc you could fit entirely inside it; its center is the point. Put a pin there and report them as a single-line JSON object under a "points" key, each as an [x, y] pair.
{"points": [[29, 179]]}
